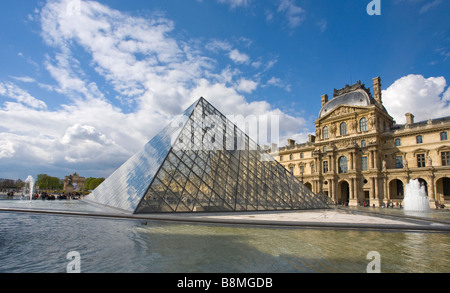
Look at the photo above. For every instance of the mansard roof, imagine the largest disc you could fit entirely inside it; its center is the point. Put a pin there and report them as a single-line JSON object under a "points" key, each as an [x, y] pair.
{"points": [[354, 95]]}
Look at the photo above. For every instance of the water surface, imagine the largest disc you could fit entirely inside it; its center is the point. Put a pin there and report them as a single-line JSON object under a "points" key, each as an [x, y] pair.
{"points": [[40, 243]]}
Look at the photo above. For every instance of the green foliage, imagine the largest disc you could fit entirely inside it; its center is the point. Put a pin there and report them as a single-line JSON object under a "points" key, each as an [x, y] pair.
{"points": [[92, 183], [47, 182]]}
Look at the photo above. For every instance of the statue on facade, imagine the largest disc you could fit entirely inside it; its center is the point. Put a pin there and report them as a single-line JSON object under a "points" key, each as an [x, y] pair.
{"points": [[333, 130]]}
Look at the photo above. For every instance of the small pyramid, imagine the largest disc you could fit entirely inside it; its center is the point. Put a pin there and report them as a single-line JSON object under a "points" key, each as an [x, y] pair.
{"points": [[202, 162]]}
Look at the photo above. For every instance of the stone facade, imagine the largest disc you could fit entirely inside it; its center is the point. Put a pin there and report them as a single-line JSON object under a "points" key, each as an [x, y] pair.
{"points": [[74, 182], [360, 155]]}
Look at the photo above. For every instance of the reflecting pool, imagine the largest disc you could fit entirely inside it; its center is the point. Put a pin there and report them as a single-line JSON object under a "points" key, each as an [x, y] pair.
{"points": [[35, 243]]}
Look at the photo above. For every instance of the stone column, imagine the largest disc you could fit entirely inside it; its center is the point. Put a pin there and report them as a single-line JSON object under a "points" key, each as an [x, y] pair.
{"points": [[351, 161], [353, 197], [331, 164], [375, 159], [432, 192]]}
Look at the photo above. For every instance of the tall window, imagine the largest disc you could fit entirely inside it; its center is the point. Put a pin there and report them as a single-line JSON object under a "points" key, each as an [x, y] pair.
{"points": [[325, 166], [398, 142], [399, 162], [365, 165], [325, 132], [444, 135], [302, 169], [343, 166], [301, 155], [343, 128], [421, 160], [325, 149], [281, 158], [419, 139], [445, 158], [291, 157], [363, 124], [363, 143], [291, 168]]}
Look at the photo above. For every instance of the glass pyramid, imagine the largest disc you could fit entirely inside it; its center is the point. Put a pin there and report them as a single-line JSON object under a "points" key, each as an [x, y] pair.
{"points": [[202, 162]]}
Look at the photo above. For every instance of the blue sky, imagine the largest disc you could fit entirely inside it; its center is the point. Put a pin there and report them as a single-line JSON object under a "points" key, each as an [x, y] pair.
{"points": [[84, 84]]}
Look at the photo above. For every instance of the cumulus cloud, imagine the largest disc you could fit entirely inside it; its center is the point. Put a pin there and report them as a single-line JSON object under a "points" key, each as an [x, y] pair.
{"points": [[247, 86], [239, 57], [6, 149], [423, 97], [153, 73]]}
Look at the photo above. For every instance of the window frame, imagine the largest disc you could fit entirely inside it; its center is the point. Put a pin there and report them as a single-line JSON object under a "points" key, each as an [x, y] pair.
{"points": [[343, 128], [419, 139], [421, 161], [343, 169], [445, 158], [325, 167], [399, 162], [325, 133], [364, 163], [363, 124]]}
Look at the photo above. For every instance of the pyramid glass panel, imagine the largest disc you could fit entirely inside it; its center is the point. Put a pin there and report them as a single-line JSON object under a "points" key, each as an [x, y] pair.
{"points": [[202, 162]]}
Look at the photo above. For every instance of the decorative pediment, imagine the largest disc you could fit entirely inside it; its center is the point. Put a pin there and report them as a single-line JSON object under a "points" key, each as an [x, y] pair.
{"points": [[343, 110], [420, 151], [444, 148]]}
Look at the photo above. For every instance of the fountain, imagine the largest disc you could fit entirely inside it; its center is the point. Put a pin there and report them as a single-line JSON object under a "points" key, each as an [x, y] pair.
{"points": [[416, 199], [30, 181]]}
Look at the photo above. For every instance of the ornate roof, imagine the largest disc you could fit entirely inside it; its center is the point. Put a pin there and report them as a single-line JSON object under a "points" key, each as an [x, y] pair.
{"points": [[354, 95]]}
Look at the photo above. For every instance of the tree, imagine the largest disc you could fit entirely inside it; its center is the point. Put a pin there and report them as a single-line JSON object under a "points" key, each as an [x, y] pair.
{"points": [[92, 183], [46, 182]]}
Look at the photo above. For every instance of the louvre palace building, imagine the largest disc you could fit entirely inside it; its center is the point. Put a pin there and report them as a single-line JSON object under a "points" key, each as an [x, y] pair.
{"points": [[359, 155]]}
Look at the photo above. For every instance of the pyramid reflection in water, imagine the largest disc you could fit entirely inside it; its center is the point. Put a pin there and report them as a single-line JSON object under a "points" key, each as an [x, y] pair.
{"points": [[202, 162]]}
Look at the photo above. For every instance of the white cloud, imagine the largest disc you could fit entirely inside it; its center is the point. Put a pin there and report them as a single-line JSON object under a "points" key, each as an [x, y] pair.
{"points": [[140, 60], [238, 57], [429, 6], [12, 91], [247, 86], [6, 149], [322, 24], [423, 97], [275, 81], [295, 15], [236, 3]]}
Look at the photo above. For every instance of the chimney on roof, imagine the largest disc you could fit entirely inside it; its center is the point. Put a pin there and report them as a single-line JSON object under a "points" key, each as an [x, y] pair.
{"points": [[409, 118], [324, 99], [291, 143], [377, 90]]}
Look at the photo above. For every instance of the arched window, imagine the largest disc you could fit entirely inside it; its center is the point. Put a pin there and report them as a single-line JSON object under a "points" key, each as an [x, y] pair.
{"points": [[325, 132], [343, 128], [363, 124], [343, 166]]}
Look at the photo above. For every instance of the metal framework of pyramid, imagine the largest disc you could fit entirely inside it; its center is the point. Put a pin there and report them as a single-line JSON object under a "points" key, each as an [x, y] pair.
{"points": [[202, 162]]}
